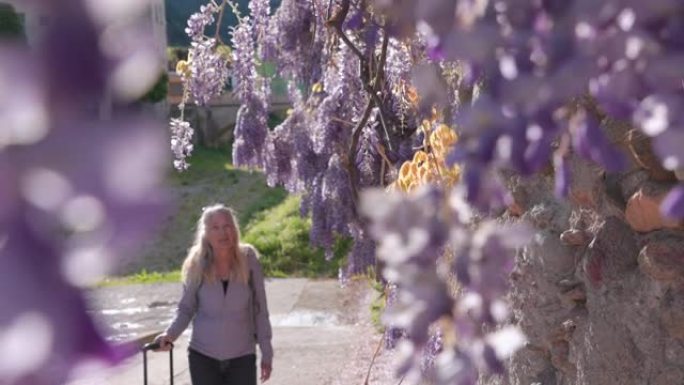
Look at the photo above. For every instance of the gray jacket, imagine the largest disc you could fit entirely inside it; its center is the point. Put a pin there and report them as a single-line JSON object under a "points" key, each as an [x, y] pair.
{"points": [[226, 326]]}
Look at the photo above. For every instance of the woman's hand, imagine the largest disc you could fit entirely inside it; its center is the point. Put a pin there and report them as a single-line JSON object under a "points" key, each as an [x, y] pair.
{"points": [[165, 343], [265, 371]]}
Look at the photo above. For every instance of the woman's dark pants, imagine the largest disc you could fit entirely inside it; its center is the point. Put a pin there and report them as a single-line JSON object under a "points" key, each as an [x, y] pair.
{"points": [[209, 371]]}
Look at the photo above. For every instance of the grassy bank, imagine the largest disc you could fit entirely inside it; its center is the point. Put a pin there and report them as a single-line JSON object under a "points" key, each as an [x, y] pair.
{"points": [[213, 179], [269, 219], [210, 179], [142, 277]]}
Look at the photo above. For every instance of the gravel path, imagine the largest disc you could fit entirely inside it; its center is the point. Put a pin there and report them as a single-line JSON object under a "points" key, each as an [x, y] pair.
{"points": [[322, 333]]}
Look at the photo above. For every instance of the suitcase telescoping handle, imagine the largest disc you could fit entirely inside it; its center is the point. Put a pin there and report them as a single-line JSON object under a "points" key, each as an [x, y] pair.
{"points": [[153, 346]]}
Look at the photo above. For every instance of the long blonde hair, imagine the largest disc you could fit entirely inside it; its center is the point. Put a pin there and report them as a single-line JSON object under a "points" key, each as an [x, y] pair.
{"points": [[199, 263]]}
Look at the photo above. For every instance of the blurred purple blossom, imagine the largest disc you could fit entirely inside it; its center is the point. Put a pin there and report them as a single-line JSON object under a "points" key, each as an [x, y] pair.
{"points": [[673, 204], [408, 230], [430, 85], [484, 256], [590, 142], [453, 366], [656, 113], [483, 189], [44, 325], [562, 176], [422, 298], [411, 228], [618, 93], [268, 49], [78, 194], [670, 148]]}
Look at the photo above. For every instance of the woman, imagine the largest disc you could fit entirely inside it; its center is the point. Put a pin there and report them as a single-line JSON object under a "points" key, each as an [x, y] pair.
{"points": [[224, 296]]}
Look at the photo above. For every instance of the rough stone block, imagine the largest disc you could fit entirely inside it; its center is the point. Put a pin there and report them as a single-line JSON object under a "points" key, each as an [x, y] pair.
{"points": [[642, 151], [663, 259], [586, 183], [576, 295], [631, 182], [670, 376], [673, 320], [575, 237], [643, 209], [612, 252]]}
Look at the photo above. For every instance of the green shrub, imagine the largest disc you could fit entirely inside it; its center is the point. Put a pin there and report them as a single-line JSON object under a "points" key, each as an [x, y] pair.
{"points": [[282, 237]]}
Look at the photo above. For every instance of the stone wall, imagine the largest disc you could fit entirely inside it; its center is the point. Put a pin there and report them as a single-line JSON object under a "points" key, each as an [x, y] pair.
{"points": [[600, 291]]}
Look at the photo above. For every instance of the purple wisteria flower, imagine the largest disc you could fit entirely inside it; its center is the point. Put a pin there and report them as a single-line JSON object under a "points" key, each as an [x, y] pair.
{"points": [[295, 22], [200, 20], [432, 349], [181, 143], [393, 335], [259, 13], [278, 154], [208, 71], [368, 159], [336, 190], [204, 78], [251, 130], [362, 254], [244, 68]]}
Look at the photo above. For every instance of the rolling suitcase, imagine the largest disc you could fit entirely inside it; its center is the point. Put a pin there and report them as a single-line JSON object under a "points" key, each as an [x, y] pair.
{"points": [[152, 346]]}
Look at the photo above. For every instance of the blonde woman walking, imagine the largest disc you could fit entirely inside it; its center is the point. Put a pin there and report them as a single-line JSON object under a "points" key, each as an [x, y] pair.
{"points": [[224, 297]]}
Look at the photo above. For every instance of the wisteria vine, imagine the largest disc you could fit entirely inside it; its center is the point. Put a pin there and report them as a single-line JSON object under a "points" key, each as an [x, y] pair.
{"points": [[433, 101]]}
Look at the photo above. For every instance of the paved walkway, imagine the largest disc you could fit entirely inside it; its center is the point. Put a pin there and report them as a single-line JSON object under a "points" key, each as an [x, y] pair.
{"points": [[322, 334]]}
